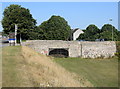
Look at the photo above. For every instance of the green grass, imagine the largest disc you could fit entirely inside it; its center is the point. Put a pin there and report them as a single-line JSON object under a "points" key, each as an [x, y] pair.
{"points": [[118, 54], [0, 67], [23, 40], [10, 71], [101, 73]]}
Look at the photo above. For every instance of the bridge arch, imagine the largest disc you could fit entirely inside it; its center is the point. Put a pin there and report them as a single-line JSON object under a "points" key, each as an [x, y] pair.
{"points": [[59, 52]]}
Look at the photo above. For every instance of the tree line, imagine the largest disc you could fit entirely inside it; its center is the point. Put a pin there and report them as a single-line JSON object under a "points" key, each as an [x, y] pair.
{"points": [[107, 33], [55, 28]]}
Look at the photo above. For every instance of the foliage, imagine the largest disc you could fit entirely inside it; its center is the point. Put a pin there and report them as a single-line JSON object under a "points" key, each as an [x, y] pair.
{"points": [[92, 33], [56, 28], [119, 35], [106, 32], [15, 14]]}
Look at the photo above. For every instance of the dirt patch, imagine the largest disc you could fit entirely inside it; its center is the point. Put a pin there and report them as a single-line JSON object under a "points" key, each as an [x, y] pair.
{"points": [[43, 72]]}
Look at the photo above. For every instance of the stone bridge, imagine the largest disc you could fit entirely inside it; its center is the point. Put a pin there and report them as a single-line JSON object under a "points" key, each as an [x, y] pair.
{"points": [[85, 49]]}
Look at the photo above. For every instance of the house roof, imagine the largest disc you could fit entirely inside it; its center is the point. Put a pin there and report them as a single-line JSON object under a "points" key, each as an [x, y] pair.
{"points": [[74, 30]]}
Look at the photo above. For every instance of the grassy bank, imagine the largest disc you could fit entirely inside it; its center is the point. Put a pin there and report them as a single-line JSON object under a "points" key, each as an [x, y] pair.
{"points": [[0, 67], [23, 67], [26, 68], [10, 70], [118, 54], [101, 73]]}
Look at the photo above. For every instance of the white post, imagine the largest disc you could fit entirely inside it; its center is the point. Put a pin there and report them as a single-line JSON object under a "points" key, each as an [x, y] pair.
{"points": [[16, 33], [20, 39]]}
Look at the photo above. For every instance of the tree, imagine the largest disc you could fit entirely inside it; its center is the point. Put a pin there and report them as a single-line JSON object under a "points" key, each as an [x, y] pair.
{"points": [[106, 32], [92, 29], [107, 27], [91, 33], [118, 35], [15, 14], [56, 28]]}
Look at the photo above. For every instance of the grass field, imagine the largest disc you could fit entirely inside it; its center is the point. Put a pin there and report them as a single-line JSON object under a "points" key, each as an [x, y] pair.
{"points": [[0, 67], [101, 73], [118, 54], [10, 65], [23, 67]]}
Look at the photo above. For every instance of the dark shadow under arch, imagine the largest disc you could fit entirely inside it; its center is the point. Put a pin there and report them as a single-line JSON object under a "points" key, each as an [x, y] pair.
{"points": [[59, 52]]}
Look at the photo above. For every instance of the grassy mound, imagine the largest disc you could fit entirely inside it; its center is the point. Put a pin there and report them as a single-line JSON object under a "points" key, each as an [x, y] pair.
{"points": [[23, 67]]}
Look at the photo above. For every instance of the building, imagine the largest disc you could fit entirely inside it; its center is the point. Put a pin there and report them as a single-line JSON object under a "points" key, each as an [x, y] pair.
{"points": [[76, 33]]}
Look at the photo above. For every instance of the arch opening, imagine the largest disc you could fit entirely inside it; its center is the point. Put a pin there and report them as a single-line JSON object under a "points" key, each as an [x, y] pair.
{"points": [[59, 52]]}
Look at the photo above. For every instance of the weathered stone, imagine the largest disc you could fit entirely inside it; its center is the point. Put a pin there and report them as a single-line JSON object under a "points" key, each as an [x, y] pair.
{"points": [[84, 49]]}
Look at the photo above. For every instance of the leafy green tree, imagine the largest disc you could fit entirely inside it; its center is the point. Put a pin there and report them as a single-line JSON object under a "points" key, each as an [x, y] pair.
{"points": [[107, 27], [92, 30], [15, 14], [91, 33], [81, 37], [36, 34], [118, 35], [106, 32], [56, 28]]}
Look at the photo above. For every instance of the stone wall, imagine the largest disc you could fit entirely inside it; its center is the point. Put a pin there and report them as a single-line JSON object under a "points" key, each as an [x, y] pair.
{"points": [[103, 49], [84, 49]]}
